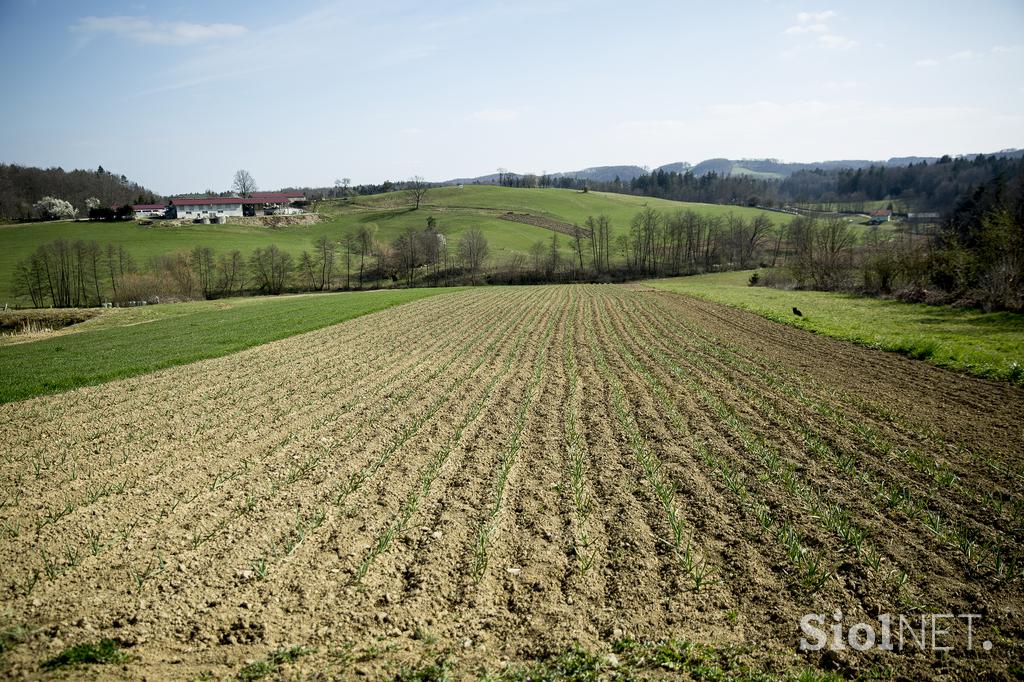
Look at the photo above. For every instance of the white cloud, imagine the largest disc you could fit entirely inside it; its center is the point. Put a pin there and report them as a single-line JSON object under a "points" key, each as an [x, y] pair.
{"points": [[797, 29], [961, 56], [814, 17], [816, 24], [834, 42], [840, 85], [142, 30], [811, 22], [494, 115], [998, 49]]}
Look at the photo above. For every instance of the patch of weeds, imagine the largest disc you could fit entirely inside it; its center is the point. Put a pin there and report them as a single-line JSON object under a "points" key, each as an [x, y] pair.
{"points": [[575, 665], [920, 350], [373, 651], [256, 671], [703, 662], [272, 664], [431, 672], [11, 637], [342, 654], [424, 636], [106, 652]]}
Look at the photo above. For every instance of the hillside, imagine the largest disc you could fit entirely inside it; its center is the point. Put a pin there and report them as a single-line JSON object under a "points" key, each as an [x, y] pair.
{"points": [[455, 211], [22, 186], [762, 169]]}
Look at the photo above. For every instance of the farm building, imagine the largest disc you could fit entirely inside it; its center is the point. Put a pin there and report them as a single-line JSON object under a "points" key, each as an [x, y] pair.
{"points": [[207, 207], [259, 203], [149, 210], [279, 197], [882, 215]]}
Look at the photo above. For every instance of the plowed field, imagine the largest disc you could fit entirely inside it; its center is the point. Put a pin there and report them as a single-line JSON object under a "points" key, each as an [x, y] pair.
{"points": [[485, 480]]}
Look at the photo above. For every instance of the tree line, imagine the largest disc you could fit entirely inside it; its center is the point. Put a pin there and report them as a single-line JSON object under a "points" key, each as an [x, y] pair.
{"points": [[975, 257], [81, 273], [23, 187], [924, 186]]}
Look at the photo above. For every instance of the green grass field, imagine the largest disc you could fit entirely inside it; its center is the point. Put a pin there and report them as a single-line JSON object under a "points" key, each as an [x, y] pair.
{"points": [[455, 210], [129, 341], [989, 345]]}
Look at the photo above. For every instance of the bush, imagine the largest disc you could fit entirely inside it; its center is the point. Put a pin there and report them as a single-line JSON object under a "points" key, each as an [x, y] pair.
{"points": [[776, 279], [754, 279]]}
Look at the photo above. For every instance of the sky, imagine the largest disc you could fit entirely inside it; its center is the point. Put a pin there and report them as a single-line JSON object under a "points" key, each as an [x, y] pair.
{"points": [[179, 95]]}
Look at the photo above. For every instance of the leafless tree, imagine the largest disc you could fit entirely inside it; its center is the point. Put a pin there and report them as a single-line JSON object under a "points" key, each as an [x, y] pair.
{"points": [[366, 237], [473, 251], [326, 255], [244, 183], [272, 269], [418, 187], [203, 264]]}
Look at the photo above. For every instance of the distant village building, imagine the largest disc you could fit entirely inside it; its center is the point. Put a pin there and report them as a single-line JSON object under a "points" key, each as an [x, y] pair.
{"points": [[880, 216], [149, 210]]}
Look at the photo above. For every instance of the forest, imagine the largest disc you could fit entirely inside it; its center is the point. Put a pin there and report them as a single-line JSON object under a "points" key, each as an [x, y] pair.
{"points": [[925, 187], [22, 187]]}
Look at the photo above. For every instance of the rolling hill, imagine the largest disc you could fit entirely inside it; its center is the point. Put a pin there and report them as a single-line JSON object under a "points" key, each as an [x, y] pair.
{"points": [[454, 209], [763, 169]]}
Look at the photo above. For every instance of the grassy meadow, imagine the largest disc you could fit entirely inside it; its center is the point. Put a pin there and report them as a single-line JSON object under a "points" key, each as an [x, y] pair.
{"points": [[989, 345], [455, 210], [124, 342]]}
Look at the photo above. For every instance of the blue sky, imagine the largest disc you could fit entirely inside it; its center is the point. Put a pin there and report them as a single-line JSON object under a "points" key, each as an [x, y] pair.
{"points": [[179, 95]]}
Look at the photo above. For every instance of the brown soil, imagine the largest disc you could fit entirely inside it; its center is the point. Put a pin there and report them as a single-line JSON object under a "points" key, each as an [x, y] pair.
{"points": [[400, 489], [546, 223]]}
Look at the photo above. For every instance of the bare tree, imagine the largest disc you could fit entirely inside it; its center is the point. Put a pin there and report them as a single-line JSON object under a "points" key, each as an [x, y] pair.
{"points": [[271, 269], [473, 251], [419, 188], [365, 238], [244, 183], [326, 256]]}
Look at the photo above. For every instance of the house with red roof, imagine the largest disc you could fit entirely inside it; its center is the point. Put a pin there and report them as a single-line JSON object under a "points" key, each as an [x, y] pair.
{"points": [[214, 208], [882, 215]]}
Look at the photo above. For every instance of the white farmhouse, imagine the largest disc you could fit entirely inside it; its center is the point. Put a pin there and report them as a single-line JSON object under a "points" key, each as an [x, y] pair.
{"points": [[192, 208], [260, 203]]}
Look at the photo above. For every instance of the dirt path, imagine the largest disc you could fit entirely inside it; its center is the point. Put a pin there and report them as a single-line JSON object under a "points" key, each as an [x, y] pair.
{"points": [[490, 479]]}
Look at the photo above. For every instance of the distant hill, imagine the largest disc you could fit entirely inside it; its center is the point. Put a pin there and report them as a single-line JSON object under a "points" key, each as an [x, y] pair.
{"points": [[677, 167], [604, 173], [595, 174], [769, 168], [719, 166], [763, 169]]}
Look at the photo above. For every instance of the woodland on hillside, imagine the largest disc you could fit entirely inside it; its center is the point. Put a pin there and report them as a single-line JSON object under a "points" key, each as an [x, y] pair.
{"points": [[22, 187]]}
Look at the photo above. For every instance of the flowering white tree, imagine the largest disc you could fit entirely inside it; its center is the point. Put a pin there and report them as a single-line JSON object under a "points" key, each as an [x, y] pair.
{"points": [[91, 203], [52, 208]]}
